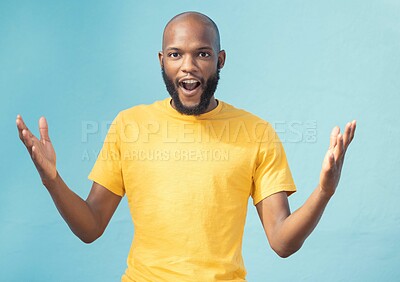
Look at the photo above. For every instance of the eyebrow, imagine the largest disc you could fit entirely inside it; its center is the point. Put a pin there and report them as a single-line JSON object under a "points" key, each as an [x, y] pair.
{"points": [[198, 49]]}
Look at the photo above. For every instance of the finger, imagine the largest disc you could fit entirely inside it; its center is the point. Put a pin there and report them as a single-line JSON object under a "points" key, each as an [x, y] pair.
{"points": [[37, 157], [44, 130], [331, 160], [36, 154], [20, 122], [333, 138], [21, 126], [27, 140], [339, 148], [353, 129], [346, 136]]}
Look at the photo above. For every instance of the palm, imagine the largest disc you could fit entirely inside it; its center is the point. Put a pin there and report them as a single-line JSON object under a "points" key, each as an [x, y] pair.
{"points": [[46, 159], [41, 151], [334, 157]]}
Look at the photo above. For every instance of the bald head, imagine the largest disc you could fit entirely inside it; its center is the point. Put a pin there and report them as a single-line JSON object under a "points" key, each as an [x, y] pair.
{"points": [[193, 19], [190, 61]]}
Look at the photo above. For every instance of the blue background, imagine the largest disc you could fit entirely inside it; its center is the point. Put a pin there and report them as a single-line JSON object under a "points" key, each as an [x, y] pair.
{"points": [[294, 63]]}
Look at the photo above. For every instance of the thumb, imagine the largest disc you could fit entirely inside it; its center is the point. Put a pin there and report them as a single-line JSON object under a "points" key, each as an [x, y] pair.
{"points": [[44, 130]]}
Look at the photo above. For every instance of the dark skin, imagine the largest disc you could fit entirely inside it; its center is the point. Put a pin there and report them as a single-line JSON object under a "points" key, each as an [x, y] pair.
{"points": [[287, 232], [87, 219], [190, 51]]}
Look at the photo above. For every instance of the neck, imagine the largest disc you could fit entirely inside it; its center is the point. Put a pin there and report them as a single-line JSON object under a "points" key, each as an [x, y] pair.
{"points": [[213, 104]]}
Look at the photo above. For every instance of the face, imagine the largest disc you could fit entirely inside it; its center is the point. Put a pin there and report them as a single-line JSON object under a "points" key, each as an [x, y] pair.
{"points": [[190, 63]]}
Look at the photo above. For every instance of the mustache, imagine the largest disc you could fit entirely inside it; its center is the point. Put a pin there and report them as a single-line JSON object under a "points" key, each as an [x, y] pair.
{"points": [[209, 87]]}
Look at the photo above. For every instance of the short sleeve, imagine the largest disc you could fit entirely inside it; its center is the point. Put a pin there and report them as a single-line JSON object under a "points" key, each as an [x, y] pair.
{"points": [[272, 173], [107, 170]]}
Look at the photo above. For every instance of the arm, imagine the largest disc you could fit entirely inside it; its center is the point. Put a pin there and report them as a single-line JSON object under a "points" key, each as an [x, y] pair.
{"points": [[87, 219], [287, 232]]}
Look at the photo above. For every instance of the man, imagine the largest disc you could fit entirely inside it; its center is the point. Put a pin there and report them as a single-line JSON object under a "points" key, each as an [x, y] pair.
{"points": [[187, 166]]}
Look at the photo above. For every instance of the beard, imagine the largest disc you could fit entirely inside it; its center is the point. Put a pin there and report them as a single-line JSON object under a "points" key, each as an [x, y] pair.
{"points": [[209, 88]]}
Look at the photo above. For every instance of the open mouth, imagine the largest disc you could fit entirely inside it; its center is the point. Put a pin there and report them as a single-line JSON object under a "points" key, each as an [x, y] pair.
{"points": [[189, 85]]}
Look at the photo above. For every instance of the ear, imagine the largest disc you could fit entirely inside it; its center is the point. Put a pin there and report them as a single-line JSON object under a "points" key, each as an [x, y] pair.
{"points": [[221, 59], [160, 58]]}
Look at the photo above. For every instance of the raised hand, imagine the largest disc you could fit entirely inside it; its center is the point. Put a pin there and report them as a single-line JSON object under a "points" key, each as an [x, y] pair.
{"points": [[333, 161], [41, 151]]}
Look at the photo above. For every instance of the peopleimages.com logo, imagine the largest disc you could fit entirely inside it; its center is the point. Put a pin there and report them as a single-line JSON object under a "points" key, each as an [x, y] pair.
{"points": [[206, 132], [288, 131]]}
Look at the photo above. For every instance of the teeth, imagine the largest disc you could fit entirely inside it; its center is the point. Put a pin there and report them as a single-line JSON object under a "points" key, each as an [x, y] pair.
{"points": [[189, 81]]}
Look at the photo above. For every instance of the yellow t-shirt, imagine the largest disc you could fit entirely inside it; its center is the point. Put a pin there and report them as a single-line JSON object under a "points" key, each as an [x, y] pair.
{"points": [[188, 180]]}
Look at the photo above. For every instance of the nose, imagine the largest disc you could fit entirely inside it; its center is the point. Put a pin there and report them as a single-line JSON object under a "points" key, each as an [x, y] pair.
{"points": [[188, 64]]}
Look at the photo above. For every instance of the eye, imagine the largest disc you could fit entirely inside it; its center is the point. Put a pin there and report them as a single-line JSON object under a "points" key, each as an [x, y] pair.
{"points": [[204, 55], [173, 55]]}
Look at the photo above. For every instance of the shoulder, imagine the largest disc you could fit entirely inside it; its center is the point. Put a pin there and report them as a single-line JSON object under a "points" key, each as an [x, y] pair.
{"points": [[242, 119], [141, 111], [233, 112]]}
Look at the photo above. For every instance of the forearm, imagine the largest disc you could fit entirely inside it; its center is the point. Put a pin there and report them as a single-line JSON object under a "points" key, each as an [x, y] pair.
{"points": [[287, 232], [295, 229], [75, 211]]}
